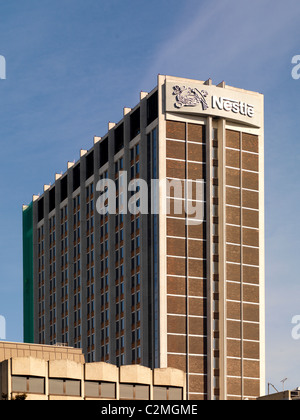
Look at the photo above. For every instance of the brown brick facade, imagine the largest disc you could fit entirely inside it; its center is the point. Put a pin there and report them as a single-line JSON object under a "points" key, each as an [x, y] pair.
{"points": [[242, 264], [187, 266], [186, 258]]}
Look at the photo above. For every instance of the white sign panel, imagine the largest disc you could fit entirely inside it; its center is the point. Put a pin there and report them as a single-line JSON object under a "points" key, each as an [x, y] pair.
{"points": [[226, 103]]}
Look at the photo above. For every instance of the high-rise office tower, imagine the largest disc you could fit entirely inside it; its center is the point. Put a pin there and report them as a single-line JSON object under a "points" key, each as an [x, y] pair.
{"points": [[166, 276]]}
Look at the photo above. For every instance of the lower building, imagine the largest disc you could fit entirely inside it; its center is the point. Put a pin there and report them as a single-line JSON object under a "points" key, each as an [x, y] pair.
{"points": [[60, 373], [282, 396]]}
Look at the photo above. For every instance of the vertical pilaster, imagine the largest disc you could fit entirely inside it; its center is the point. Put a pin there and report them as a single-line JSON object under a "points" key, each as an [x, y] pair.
{"points": [[209, 261], [222, 257]]}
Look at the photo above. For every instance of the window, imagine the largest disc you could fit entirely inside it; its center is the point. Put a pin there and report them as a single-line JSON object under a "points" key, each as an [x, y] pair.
{"points": [[52, 201], [76, 177], [89, 165], [41, 209], [29, 385], [137, 150], [64, 188], [100, 389], [152, 108], [64, 387], [134, 392], [119, 138], [104, 152], [167, 393], [135, 123]]}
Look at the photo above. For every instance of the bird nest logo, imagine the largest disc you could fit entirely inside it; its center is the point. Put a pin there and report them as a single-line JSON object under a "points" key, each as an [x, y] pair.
{"points": [[2, 68], [186, 96]]}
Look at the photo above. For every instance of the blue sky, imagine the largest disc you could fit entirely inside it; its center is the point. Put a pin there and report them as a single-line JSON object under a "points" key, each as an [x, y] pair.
{"points": [[72, 66]]}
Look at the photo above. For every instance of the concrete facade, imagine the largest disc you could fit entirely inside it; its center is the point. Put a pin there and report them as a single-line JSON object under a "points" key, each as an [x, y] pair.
{"points": [[54, 373]]}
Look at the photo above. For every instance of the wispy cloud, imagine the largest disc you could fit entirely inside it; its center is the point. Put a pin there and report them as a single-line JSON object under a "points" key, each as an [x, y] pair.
{"points": [[228, 39]]}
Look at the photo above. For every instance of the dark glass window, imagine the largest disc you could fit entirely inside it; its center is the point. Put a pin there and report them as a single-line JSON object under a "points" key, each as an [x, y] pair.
{"points": [[52, 199], [89, 165], [64, 188], [119, 138], [41, 209], [76, 177], [135, 124], [103, 152], [152, 108]]}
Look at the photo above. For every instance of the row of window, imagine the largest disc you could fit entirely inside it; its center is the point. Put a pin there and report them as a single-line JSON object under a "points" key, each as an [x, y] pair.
{"points": [[41, 290], [119, 272], [93, 389], [77, 277]]}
